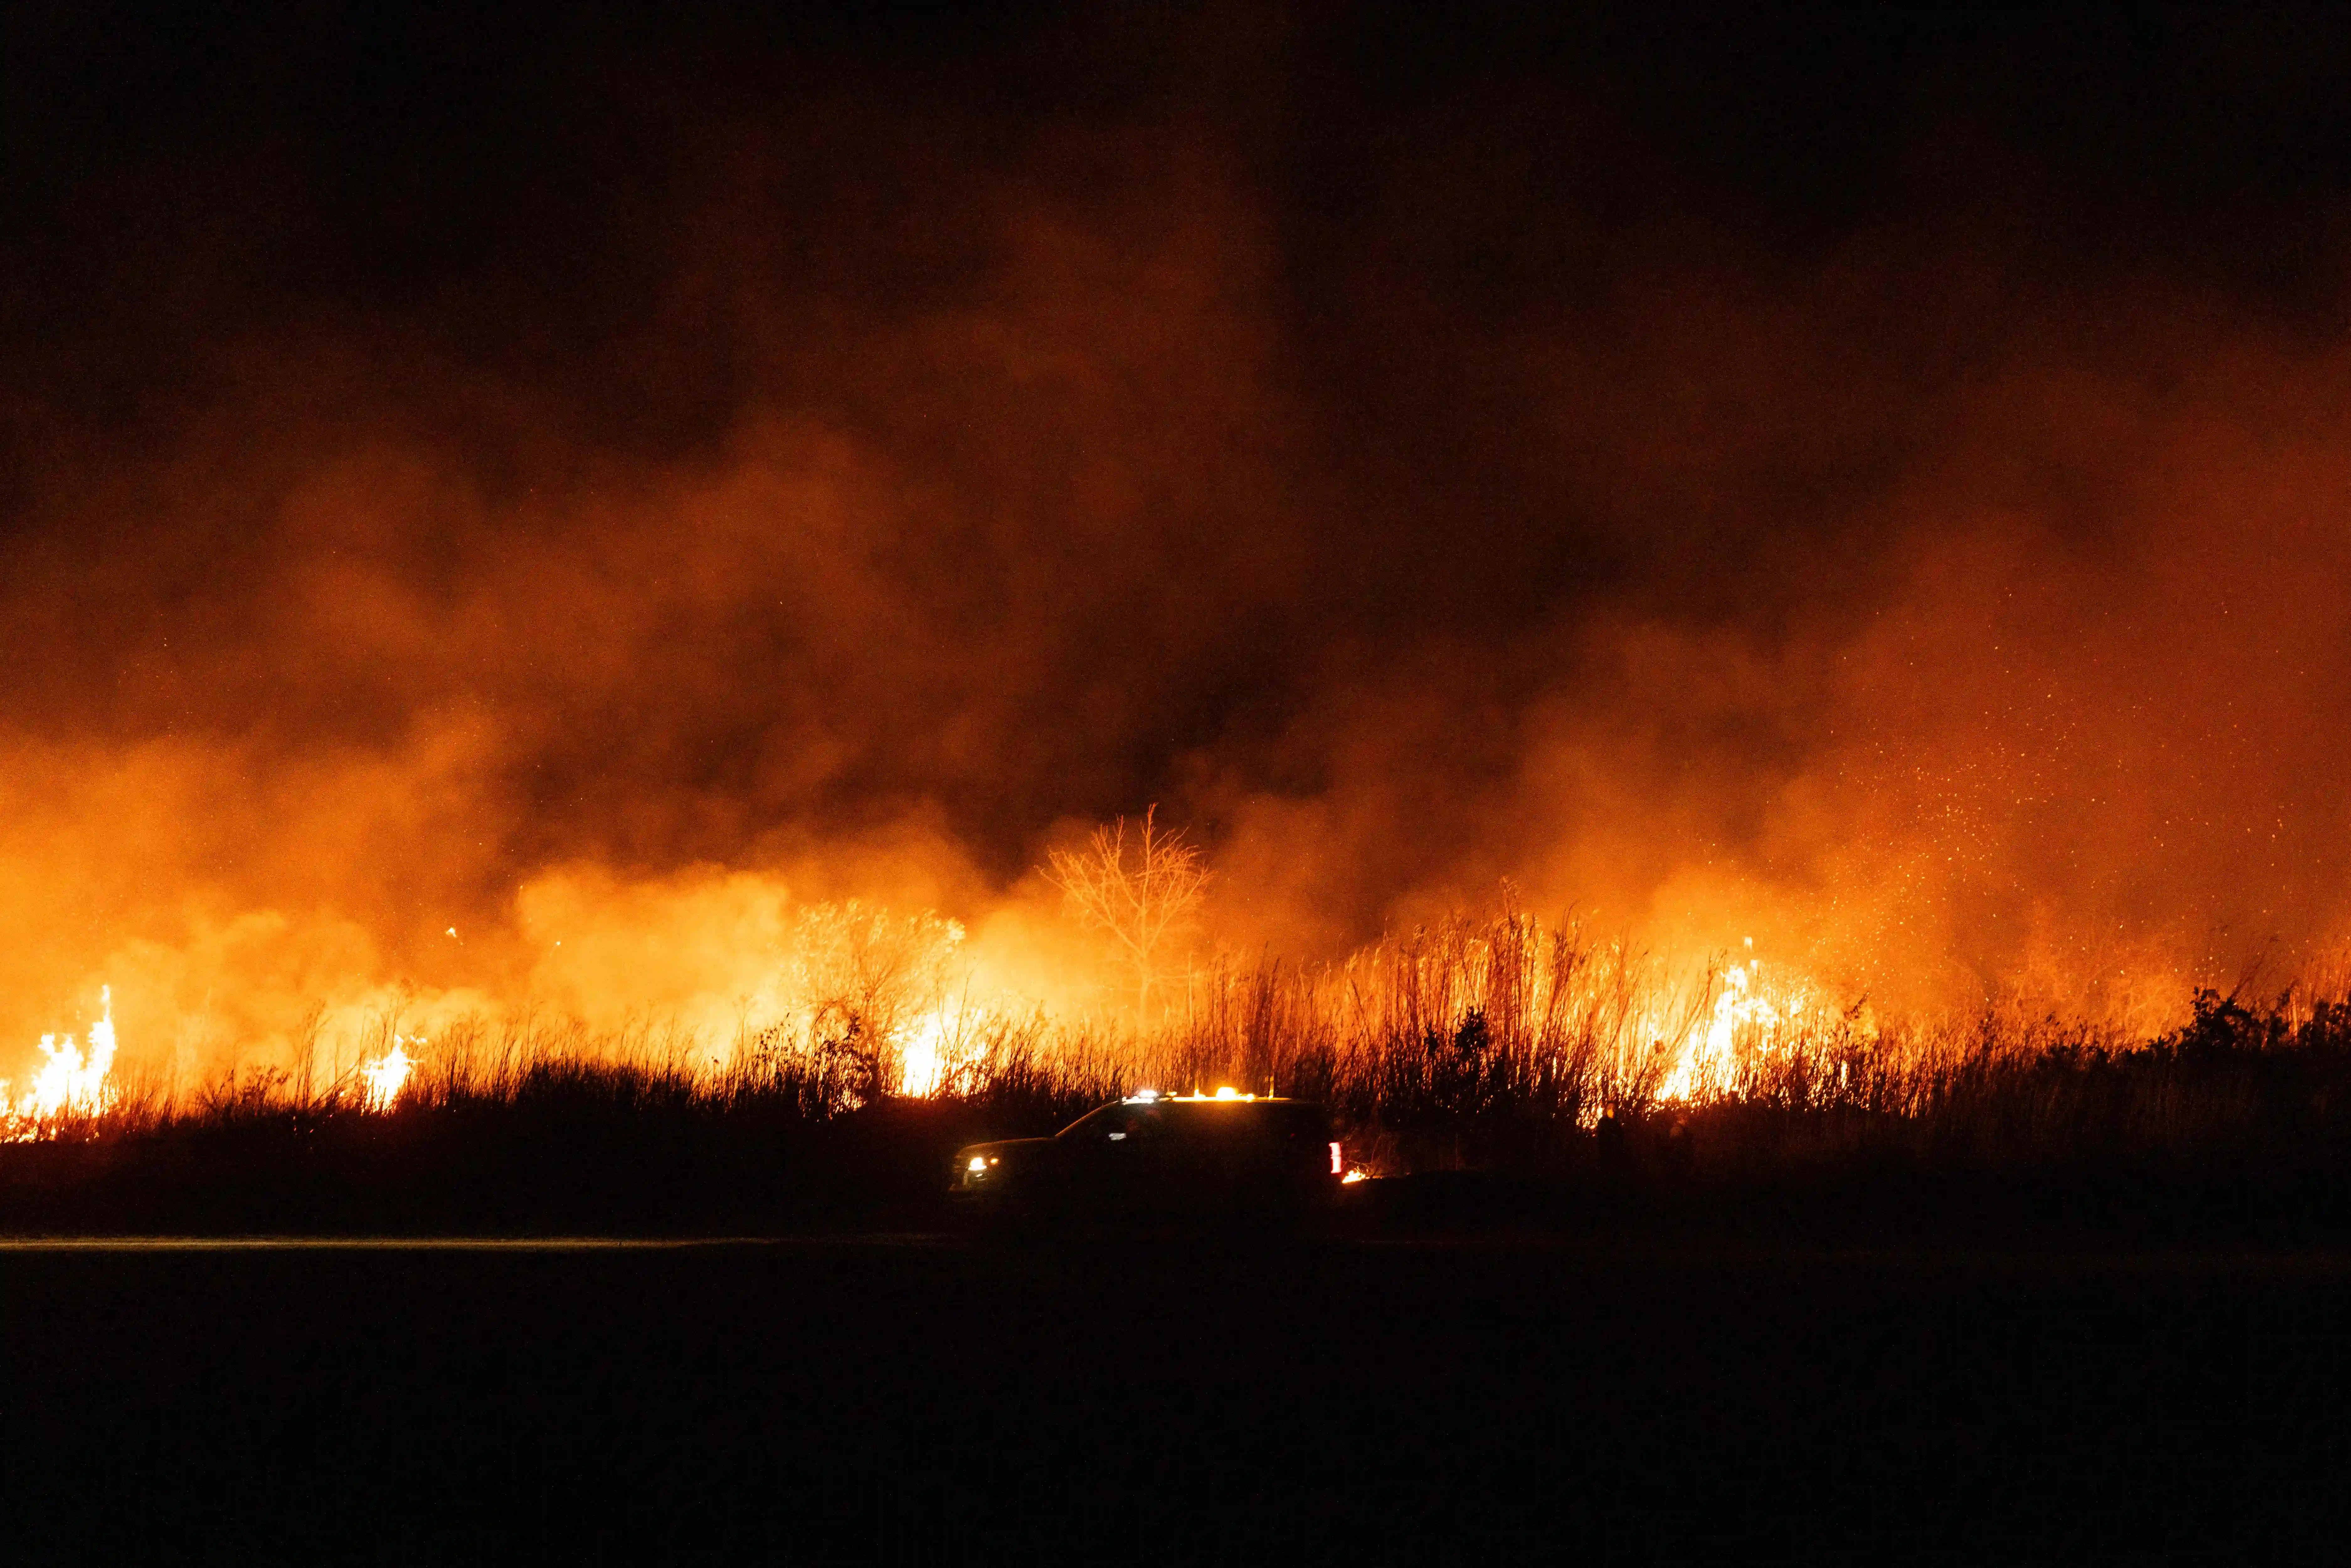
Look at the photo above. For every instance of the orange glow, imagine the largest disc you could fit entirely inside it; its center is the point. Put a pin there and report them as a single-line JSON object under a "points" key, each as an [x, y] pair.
{"points": [[382, 1080], [921, 1065], [70, 1083], [763, 727], [1756, 1011]]}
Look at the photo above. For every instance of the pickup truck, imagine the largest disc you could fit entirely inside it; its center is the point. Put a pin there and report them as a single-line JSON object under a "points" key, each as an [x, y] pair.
{"points": [[1221, 1155]]}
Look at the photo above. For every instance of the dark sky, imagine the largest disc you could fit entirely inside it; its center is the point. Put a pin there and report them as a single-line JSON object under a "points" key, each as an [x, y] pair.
{"points": [[1870, 475]]}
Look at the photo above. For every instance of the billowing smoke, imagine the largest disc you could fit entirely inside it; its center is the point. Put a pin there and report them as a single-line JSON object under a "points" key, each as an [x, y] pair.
{"points": [[522, 547]]}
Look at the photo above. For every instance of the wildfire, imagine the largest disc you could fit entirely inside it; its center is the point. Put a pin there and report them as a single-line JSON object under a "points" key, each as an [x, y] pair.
{"points": [[937, 1044], [1751, 1009], [382, 1080], [70, 1083], [923, 1057]]}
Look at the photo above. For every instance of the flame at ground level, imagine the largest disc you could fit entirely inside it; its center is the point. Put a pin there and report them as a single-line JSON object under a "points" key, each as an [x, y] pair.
{"points": [[1464, 1011], [1754, 1013], [70, 1083], [75, 1082], [383, 1079]]}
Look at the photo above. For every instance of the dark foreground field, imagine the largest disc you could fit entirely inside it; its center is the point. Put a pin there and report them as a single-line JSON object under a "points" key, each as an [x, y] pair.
{"points": [[838, 1400]]}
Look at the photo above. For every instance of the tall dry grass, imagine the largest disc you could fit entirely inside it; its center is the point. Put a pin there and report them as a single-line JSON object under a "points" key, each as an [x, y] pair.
{"points": [[1494, 1040]]}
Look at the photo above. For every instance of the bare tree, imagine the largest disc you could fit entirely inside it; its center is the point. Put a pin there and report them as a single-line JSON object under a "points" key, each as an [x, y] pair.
{"points": [[1137, 888]]}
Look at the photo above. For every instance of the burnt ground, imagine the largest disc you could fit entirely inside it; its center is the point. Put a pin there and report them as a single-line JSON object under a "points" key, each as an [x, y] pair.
{"points": [[844, 1398]]}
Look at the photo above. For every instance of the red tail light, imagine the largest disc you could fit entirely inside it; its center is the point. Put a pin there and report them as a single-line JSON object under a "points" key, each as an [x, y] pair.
{"points": [[1337, 1166]]}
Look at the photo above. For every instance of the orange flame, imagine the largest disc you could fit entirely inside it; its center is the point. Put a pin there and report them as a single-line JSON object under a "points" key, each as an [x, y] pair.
{"points": [[1752, 1009], [383, 1080], [70, 1082]]}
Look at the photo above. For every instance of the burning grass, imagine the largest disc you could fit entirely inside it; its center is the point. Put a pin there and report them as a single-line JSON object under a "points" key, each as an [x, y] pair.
{"points": [[1493, 1047]]}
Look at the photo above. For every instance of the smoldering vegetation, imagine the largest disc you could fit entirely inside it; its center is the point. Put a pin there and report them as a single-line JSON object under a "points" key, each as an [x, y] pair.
{"points": [[1483, 1071]]}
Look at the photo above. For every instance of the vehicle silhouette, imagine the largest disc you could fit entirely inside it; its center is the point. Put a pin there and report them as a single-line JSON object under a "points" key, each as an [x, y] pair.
{"points": [[1223, 1157]]}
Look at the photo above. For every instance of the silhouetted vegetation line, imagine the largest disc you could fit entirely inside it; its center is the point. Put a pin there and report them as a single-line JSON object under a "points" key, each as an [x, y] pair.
{"points": [[1476, 1052]]}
